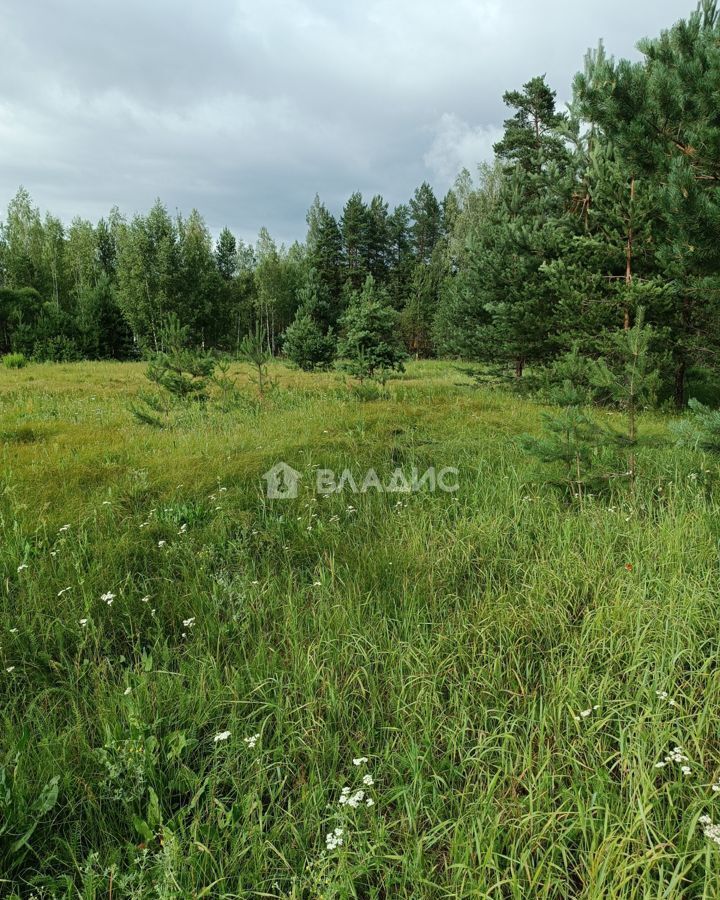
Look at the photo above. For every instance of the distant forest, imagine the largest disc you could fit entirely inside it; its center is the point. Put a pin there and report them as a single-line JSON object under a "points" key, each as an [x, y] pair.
{"points": [[584, 217]]}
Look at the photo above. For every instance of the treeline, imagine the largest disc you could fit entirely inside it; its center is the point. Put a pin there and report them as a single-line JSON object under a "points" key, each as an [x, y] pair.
{"points": [[105, 290], [585, 217]]}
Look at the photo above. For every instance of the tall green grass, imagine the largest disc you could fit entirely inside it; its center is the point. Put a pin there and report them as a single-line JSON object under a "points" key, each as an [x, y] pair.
{"points": [[453, 639]]}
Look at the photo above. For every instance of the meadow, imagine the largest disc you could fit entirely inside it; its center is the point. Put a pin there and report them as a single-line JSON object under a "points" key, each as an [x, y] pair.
{"points": [[499, 692]]}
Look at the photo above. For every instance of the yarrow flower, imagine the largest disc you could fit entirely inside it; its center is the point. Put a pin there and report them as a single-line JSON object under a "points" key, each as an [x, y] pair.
{"points": [[83, 622], [188, 623], [162, 543], [368, 780], [221, 736], [711, 832], [334, 839], [128, 690], [358, 761], [675, 756], [351, 799], [108, 598], [251, 741]]}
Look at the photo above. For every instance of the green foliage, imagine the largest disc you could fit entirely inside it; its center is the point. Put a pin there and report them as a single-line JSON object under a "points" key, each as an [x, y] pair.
{"points": [[305, 344], [700, 430], [182, 372], [567, 380], [254, 350], [370, 344], [56, 349], [14, 361], [20, 814], [572, 439], [533, 130]]}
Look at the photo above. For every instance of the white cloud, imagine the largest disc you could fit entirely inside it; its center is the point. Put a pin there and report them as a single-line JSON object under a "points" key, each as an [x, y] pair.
{"points": [[458, 145]]}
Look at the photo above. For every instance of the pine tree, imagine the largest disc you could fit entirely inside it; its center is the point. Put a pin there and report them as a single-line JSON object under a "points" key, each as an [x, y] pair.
{"points": [[532, 132], [370, 342], [307, 341], [661, 113], [325, 256], [426, 222], [629, 377], [355, 227], [226, 254]]}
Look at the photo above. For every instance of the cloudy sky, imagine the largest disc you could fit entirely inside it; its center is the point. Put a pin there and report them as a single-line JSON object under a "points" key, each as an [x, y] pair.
{"points": [[245, 109]]}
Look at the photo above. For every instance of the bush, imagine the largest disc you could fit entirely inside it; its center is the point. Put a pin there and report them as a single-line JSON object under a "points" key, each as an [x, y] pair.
{"points": [[306, 345], [14, 361], [56, 349], [700, 430]]}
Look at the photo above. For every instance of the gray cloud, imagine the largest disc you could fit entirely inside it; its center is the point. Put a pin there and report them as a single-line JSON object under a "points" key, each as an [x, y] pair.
{"points": [[246, 110]]}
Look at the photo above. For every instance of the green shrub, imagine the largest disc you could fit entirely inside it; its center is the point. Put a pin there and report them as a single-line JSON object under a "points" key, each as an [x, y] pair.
{"points": [[56, 349], [14, 361]]}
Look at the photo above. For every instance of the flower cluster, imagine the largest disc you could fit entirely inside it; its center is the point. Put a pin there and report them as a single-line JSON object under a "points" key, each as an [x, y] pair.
{"points": [[251, 741], [354, 798], [675, 756], [711, 832], [334, 839]]}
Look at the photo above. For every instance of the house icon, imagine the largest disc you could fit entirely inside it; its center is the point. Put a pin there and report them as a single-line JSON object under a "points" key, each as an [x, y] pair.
{"points": [[282, 482]]}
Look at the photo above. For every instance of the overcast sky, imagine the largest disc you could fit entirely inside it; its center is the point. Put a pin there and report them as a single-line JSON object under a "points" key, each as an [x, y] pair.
{"points": [[246, 110]]}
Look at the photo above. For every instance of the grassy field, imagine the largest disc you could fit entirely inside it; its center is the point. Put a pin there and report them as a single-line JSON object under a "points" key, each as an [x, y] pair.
{"points": [[513, 664]]}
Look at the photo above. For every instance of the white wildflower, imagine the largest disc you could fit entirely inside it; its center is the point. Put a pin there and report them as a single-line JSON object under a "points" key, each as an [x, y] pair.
{"points": [[368, 780], [10, 669], [128, 690], [251, 741], [162, 543], [188, 623], [83, 622], [334, 839], [108, 598], [221, 736], [711, 832], [22, 567], [358, 761], [369, 802], [353, 800]]}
